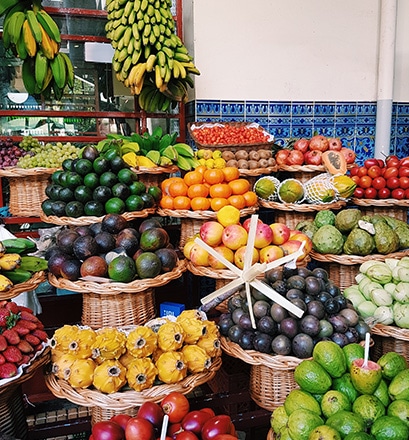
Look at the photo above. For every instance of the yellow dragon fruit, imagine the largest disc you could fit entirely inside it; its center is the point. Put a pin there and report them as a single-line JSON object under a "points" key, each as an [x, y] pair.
{"points": [[170, 336], [211, 328], [193, 327], [65, 339], [210, 343], [196, 358], [126, 359], [141, 374], [110, 343], [110, 376], [171, 367], [81, 373], [61, 364], [141, 341]]}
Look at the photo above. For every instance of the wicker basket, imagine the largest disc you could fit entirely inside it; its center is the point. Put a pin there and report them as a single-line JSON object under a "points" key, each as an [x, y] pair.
{"points": [[270, 435], [192, 127], [154, 176], [126, 400], [350, 260], [118, 310], [200, 215], [89, 220], [341, 275], [31, 284], [391, 207], [389, 338], [27, 189], [102, 414], [115, 288]]}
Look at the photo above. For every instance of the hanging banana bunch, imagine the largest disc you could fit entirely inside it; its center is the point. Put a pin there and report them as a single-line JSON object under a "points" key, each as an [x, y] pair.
{"points": [[149, 57], [33, 36]]}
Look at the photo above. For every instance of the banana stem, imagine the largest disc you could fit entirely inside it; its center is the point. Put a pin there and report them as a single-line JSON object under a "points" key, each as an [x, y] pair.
{"points": [[36, 5]]}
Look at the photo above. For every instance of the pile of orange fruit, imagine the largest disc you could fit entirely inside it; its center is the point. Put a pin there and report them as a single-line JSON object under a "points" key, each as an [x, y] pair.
{"points": [[204, 189]]}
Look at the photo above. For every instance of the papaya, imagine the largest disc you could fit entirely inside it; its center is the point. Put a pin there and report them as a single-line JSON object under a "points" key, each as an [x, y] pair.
{"points": [[334, 162]]}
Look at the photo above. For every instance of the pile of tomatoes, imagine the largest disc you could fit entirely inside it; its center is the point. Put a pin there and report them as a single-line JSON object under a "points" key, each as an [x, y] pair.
{"points": [[182, 423], [230, 135], [382, 179]]}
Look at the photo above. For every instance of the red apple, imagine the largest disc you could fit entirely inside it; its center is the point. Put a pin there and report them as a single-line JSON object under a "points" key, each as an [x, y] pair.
{"points": [[313, 157], [334, 144], [319, 142], [281, 233], [301, 145], [348, 154], [359, 193], [295, 158]]}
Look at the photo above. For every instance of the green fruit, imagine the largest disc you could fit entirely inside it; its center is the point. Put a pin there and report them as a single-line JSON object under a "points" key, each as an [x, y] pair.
{"points": [[334, 401], [74, 209], [47, 206], [311, 377], [153, 239], [73, 180], [265, 188], [365, 378], [155, 192], [148, 265], [346, 422], [399, 408], [278, 419], [301, 422], [390, 428], [301, 399], [55, 178], [352, 352], [83, 194], [94, 208], [331, 357], [127, 176], [324, 432], [391, 364], [53, 191], [67, 164], [91, 180], [291, 191], [382, 393], [148, 200], [115, 205], [108, 178], [117, 164], [345, 386], [67, 195], [100, 165], [134, 203], [102, 194], [58, 208], [121, 190], [399, 386], [83, 167], [359, 436], [370, 408], [137, 188], [122, 269]]}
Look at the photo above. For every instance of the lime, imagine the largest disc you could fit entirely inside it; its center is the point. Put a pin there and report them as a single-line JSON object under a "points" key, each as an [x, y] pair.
{"points": [[55, 178], [331, 357], [108, 178], [127, 176], [155, 192], [334, 401], [390, 428], [370, 408], [301, 422], [121, 190], [102, 194], [134, 203], [47, 206], [115, 205], [122, 269], [311, 377], [399, 408], [74, 209], [67, 195], [301, 399], [91, 180], [83, 167], [100, 165], [82, 193], [137, 188], [392, 363], [74, 180], [94, 208]]}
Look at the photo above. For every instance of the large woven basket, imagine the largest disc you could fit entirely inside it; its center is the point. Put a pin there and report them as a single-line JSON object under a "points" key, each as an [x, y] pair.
{"points": [[89, 220], [154, 176], [27, 189], [391, 207], [350, 260], [342, 275], [128, 399], [200, 215], [389, 338], [29, 285]]}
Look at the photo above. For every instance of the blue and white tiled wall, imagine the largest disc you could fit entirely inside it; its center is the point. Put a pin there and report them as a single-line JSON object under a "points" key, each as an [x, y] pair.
{"points": [[353, 122]]}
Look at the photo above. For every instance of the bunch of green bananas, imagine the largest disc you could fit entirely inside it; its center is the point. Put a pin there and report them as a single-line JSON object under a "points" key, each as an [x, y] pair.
{"points": [[149, 57], [34, 37]]}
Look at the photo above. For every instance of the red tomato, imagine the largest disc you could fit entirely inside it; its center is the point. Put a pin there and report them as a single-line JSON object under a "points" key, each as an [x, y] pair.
{"points": [[365, 182], [176, 406], [398, 193], [404, 162], [403, 171], [370, 163], [404, 182], [153, 412], [370, 193], [353, 171], [107, 430], [407, 194], [356, 179], [225, 437], [362, 171], [359, 193], [208, 410], [384, 193], [374, 171], [139, 429], [174, 428], [381, 163], [392, 182], [186, 435], [379, 182], [121, 419], [217, 425], [194, 421], [392, 161], [391, 172], [166, 438]]}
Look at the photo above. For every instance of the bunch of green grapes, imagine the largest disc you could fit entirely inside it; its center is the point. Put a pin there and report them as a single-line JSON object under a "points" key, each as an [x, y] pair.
{"points": [[48, 155], [29, 143]]}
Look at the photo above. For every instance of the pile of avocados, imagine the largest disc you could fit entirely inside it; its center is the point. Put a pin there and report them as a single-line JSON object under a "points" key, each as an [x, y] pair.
{"points": [[97, 184]]}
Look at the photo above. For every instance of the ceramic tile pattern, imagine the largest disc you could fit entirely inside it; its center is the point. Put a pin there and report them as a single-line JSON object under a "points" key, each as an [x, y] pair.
{"points": [[353, 122]]}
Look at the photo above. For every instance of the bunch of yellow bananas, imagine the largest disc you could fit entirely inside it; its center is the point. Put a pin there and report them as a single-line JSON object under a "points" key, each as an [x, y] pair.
{"points": [[149, 57], [33, 36]]}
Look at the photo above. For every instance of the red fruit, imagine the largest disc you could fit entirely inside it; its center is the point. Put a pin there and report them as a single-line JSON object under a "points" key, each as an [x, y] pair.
{"points": [[403, 171], [12, 354], [392, 182], [121, 419], [392, 161], [4, 314], [348, 154], [379, 182], [176, 406], [22, 331], [12, 306], [3, 343], [152, 412], [209, 411], [319, 142], [26, 309], [391, 172], [7, 370], [362, 171], [186, 435], [370, 193], [295, 158], [374, 171], [398, 193], [28, 316], [225, 437], [370, 163], [32, 339], [107, 430], [406, 193], [2, 359], [353, 171], [404, 162], [281, 156], [381, 163], [404, 182], [194, 421], [301, 145], [25, 359], [41, 334], [27, 324], [25, 347], [359, 193], [365, 182], [12, 336], [139, 429], [217, 425], [313, 157], [384, 193], [334, 144]]}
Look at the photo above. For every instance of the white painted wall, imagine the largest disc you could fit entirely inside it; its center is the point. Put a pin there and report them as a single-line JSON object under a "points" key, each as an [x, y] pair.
{"points": [[297, 50]]}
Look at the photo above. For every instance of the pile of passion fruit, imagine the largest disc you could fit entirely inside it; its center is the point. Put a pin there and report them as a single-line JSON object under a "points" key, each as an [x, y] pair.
{"points": [[96, 184], [328, 315]]}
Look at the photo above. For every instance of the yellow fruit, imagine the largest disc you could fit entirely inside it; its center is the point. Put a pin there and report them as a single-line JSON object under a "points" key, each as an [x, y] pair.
{"points": [[141, 374], [219, 163], [109, 377], [141, 341], [193, 328], [171, 367], [210, 163], [170, 336], [109, 344], [216, 154], [210, 344], [202, 161], [196, 358], [81, 373], [228, 215]]}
